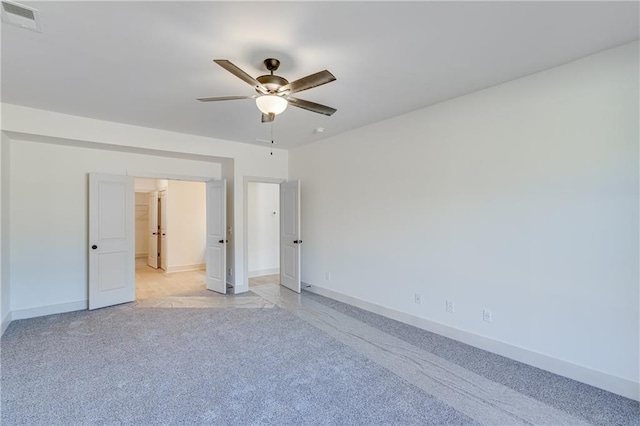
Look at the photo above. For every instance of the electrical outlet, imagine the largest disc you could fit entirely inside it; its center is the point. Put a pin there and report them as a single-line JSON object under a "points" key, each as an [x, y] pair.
{"points": [[449, 306], [327, 276], [418, 299], [486, 315]]}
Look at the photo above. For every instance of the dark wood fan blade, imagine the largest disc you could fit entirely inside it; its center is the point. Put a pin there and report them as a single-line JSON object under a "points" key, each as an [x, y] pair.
{"points": [[224, 98], [313, 80], [267, 118], [311, 106], [240, 74]]}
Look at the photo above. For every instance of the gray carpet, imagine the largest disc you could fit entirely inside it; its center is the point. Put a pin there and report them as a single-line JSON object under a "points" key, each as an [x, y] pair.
{"points": [[593, 405], [160, 362], [129, 365]]}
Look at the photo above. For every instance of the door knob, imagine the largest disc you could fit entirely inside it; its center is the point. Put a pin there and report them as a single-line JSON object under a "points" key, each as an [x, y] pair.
{"points": [[154, 233], [94, 246], [223, 241], [297, 242]]}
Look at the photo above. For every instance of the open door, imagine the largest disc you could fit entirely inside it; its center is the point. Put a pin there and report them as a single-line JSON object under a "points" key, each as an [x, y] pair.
{"points": [[290, 235], [216, 236], [152, 259], [162, 233], [111, 240]]}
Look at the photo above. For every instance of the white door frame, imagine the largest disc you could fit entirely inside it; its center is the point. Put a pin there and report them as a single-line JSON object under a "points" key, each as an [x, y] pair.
{"points": [[159, 175], [245, 225]]}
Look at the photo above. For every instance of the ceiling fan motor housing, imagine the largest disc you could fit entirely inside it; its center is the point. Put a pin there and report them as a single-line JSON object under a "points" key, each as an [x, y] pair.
{"points": [[272, 82]]}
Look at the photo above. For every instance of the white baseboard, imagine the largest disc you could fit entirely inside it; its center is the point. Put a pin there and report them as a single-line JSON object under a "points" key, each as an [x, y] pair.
{"points": [[142, 255], [40, 311], [5, 323], [599, 379], [184, 268], [240, 289], [261, 272]]}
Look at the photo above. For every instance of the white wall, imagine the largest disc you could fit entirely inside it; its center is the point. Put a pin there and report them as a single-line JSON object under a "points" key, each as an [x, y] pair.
{"points": [[145, 185], [521, 199], [238, 159], [142, 223], [3, 230], [49, 196], [263, 228], [5, 270], [186, 225]]}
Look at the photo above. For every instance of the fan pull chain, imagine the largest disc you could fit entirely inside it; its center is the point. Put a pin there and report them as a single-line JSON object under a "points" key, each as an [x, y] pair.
{"points": [[272, 138]]}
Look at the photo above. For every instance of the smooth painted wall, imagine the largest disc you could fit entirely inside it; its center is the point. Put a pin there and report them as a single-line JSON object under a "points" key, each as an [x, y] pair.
{"points": [[238, 159], [263, 228], [521, 199], [142, 223], [186, 225], [49, 199], [146, 185], [5, 230]]}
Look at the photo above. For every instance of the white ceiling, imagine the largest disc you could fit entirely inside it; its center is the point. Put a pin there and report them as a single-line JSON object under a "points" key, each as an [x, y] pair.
{"points": [[145, 63]]}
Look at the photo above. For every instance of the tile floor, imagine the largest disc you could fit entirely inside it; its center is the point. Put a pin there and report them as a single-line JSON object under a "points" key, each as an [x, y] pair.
{"points": [[265, 279], [152, 283]]}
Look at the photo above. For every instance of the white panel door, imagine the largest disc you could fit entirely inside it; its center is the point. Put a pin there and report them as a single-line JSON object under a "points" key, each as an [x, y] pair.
{"points": [[216, 236], [152, 259], [163, 217], [111, 240], [290, 235]]}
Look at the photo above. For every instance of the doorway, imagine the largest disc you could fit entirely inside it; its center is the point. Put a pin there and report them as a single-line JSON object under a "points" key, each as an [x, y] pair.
{"points": [[170, 229], [289, 238], [112, 237], [263, 233]]}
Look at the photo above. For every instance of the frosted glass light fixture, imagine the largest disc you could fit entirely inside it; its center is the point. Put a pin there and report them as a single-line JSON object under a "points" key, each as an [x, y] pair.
{"points": [[271, 104]]}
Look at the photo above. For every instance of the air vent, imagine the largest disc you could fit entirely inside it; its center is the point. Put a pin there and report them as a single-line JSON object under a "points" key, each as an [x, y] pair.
{"points": [[20, 16]]}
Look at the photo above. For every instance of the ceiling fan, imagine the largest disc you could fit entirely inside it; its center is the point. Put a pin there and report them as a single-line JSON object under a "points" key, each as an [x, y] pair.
{"points": [[274, 92]]}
